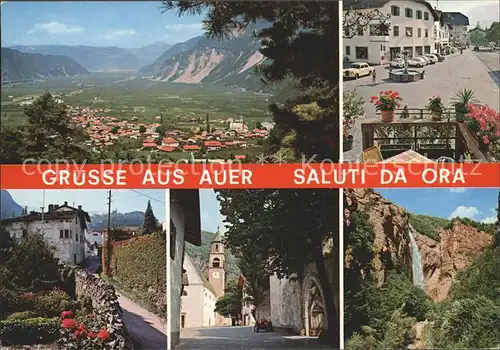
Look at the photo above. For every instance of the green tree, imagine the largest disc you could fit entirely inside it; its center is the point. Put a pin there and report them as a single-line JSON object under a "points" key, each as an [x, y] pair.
{"points": [[150, 224], [142, 129], [6, 245], [493, 33], [478, 37], [231, 303], [115, 130]]}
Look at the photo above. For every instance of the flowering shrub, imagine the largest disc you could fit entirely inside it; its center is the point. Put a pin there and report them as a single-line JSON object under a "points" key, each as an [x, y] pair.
{"points": [[84, 333], [353, 108], [436, 104], [386, 100], [485, 122]]}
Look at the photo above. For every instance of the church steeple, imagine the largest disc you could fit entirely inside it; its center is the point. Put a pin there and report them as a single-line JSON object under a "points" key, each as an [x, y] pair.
{"points": [[216, 266]]}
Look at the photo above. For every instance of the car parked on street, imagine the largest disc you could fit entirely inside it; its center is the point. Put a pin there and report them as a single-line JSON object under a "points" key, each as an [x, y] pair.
{"points": [[439, 57], [417, 62], [432, 57], [426, 59], [357, 70], [397, 63]]}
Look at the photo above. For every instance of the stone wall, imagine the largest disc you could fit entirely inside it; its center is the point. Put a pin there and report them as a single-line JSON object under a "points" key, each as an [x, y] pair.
{"points": [[105, 303]]}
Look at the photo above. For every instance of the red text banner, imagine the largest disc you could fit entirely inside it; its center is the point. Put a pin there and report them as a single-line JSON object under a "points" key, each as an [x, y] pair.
{"points": [[191, 176]]}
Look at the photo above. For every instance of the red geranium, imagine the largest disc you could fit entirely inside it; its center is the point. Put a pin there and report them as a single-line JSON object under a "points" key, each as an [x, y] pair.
{"points": [[68, 323], [485, 122], [103, 334], [65, 314], [386, 100], [91, 335]]}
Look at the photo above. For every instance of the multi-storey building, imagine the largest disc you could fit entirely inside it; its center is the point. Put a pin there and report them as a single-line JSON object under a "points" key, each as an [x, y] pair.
{"points": [[459, 35], [442, 31], [62, 227], [410, 28]]}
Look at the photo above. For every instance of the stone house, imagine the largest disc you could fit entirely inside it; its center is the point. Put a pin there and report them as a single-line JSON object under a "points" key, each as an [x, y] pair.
{"points": [[62, 226]]}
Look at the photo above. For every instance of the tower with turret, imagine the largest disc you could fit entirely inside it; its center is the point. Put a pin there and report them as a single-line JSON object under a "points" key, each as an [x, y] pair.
{"points": [[216, 265]]}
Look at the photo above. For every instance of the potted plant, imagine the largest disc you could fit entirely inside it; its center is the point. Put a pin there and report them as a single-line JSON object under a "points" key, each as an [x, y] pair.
{"points": [[484, 122], [353, 108], [386, 102], [436, 107], [461, 102]]}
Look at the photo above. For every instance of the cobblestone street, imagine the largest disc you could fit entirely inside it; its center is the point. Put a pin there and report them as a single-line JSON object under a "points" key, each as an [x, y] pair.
{"points": [[476, 71], [242, 338]]}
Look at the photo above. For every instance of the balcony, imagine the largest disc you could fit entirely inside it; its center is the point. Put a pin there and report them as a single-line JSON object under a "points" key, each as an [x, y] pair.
{"points": [[379, 38]]}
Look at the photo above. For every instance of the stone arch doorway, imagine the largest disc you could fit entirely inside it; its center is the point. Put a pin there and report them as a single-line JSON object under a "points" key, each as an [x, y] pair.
{"points": [[314, 308]]}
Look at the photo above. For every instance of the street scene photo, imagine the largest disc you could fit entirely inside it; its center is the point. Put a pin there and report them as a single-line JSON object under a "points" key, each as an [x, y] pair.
{"points": [[254, 269], [422, 268], [166, 81], [83, 269], [421, 81]]}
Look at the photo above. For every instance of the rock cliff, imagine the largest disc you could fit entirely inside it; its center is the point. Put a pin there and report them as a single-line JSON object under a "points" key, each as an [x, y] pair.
{"points": [[459, 246], [390, 224]]}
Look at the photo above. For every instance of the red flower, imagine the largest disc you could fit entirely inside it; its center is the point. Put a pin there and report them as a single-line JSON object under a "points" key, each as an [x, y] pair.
{"points": [[91, 335], [65, 314], [103, 334], [486, 139], [68, 323], [91, 316], [76, 333]]}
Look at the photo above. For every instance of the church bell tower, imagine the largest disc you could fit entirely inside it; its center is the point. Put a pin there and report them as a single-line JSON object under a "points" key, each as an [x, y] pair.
{"points": [[216, 265]]}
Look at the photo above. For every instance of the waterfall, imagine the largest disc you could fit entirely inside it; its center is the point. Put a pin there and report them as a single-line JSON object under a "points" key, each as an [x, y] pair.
{"points": [[416, 261]]}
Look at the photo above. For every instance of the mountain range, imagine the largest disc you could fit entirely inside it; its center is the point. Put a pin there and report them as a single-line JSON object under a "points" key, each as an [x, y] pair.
{"points": [[20, 66], [106, 58], [8, 207]]}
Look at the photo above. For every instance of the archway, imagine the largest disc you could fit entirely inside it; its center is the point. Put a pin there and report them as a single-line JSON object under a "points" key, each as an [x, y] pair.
{"points": [[216, 262], [315, 319]]}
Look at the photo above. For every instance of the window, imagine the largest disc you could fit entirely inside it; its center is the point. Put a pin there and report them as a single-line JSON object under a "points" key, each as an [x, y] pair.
{"points": [[361, 31], [361, 53], [66, 233], [217, 248], [76, 237], [395, 31], [216, 262], [173, 237], [427, 49], [419, 32], [409, 31], [426, 16], [419, 14], [61, 233], [348, 50], [395, 10], [408, 13], [25, 233], [426, 33]]}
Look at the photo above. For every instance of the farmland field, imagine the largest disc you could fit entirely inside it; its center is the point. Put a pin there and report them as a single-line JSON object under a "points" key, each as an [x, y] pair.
{"points": [[129, 96]]}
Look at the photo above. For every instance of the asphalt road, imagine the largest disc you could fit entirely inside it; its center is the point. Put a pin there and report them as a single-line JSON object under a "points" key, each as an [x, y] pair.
{"points": [[471, 70], [242, 338]]}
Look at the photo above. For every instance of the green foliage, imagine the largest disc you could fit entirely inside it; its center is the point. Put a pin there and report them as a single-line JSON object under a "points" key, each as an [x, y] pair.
{"points": [[360, 341], [140, 265], [29, 331], [150, 223], [468, 323], [493, 33], [52, 303], [230, 304], [429, 226], [22, 315], [399, 332]]}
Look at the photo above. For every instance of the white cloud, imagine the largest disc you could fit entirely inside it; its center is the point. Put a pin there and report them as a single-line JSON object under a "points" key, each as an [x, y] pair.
{"points": [[55, 28], [464, 212], [458, 190], [491, 219], [119, 33]]}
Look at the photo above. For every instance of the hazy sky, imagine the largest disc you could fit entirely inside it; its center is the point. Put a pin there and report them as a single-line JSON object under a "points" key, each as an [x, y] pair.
{"points": [[95, 201], [211, 217], [96, 23]]}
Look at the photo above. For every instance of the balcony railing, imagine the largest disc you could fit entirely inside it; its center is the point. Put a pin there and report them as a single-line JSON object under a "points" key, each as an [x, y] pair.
{"points": [[414, 129]]}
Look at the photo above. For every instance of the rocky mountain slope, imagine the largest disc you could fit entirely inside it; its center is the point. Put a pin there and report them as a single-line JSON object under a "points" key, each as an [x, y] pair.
{"points": [[455, 245], [19, 66], [8, 207], [203, 60], [108, 58]]}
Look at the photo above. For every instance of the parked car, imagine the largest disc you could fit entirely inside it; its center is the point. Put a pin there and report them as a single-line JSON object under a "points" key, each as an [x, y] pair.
{"points": [[357, 70], [439, 57], [397, 63], [417, 62], [426, 59], [432, 57]]}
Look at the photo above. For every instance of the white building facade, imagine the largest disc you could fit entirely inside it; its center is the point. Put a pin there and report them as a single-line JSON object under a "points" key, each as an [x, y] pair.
{"points": [[198, 298], [62, 227], [185, 226], [459, 23], [410, 28], [442, 31]]}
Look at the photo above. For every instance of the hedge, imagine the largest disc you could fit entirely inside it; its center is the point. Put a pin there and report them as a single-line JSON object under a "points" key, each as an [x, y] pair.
{"points": [[29, 331]]}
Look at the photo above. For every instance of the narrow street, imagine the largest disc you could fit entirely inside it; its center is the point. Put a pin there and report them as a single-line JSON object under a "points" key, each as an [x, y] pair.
{"points": [[147, 330], [242, 338]]}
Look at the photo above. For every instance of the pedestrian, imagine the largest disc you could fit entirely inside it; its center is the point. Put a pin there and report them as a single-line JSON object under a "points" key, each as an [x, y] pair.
{"points": [[374, 77]]}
